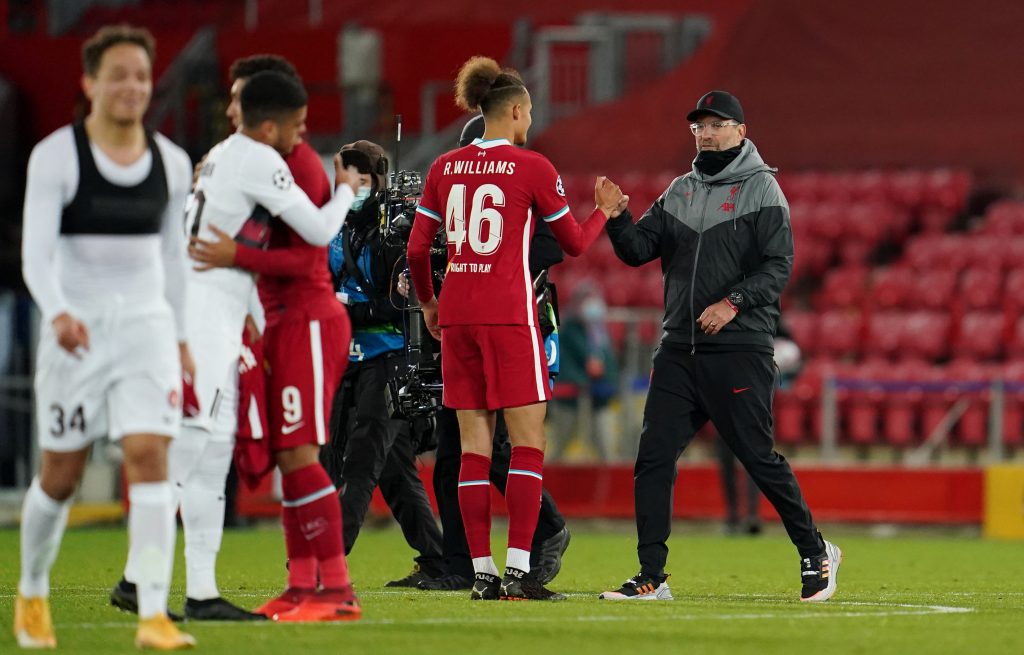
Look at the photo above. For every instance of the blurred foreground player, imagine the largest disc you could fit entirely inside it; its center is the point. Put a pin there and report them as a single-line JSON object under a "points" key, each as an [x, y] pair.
{"points": [[104, 258]]}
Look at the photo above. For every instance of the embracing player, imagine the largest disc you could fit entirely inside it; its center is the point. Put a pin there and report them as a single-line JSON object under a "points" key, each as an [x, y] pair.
{"points": [[488, 196], [306, 350]]}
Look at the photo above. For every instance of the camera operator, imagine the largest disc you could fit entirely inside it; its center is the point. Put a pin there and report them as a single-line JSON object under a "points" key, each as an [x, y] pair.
{"points": [[368, 448], [551, 537]]}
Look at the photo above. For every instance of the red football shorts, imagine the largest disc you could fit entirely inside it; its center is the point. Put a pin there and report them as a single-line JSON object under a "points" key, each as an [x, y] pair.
{"points": [[493, 366], [305, 361]]}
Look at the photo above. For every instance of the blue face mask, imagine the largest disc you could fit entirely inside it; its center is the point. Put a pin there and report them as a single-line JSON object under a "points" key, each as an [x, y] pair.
{"points": [[361, 196]]}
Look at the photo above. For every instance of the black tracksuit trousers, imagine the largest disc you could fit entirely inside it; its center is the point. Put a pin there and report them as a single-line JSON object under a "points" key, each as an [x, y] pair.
{"points": [[446, 490], [368, 449], [734, 390]]}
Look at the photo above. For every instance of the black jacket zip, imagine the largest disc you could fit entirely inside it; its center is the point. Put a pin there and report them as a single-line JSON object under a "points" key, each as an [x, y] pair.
{"points": [[693, 275]]}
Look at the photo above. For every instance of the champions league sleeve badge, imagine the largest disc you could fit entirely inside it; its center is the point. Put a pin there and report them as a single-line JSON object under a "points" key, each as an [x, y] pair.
{"points": [[282, 179]]}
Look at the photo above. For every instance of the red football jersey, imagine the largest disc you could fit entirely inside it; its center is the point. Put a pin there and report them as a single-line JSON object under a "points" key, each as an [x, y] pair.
{"points": [[489, 196], [294, 282]]}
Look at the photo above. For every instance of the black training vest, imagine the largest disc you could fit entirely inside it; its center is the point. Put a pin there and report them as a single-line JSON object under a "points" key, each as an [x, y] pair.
{"points": [[102, 207]]}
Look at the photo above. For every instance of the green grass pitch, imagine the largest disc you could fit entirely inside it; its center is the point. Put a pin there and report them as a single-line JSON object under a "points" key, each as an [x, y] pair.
{"points": [[916, 594]]}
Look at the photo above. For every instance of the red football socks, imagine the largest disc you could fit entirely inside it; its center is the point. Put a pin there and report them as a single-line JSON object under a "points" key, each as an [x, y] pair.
{"points": [[312, 522], [522, 495], [475, 503]]}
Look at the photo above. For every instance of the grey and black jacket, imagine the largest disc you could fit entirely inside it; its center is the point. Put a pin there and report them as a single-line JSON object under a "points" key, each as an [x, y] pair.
{"points": [[716, 235]]}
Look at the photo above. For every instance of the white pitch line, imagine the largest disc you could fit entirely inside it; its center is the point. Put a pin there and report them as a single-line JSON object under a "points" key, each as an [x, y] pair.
{"points": [[899, 609]]}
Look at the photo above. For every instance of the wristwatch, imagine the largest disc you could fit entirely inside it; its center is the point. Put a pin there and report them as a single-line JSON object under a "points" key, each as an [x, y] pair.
{"points": [[736, 299]]}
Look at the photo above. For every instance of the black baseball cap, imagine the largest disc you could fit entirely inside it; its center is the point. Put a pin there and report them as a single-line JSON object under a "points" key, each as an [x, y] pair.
{"points": [[718, 103]]}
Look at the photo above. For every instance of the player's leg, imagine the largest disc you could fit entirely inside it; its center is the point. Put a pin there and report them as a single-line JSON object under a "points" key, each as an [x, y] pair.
{"points": [[70, 414], [306, 365], [522, 495], [672, 417], [447, 462], [202, 502], [151, 536], [517, 380], [551, 537], [744, 419], [475, 429], [727, 470], [44, 515], [144, 402], [466, 392]]}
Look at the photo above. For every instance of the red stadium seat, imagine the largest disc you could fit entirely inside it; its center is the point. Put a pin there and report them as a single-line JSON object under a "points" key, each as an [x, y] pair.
{"points": [[901, 407], [862, 405], [843, 287], [868, 222], [804, 328], [933, 289], [812, 256], [807, 390], [936, 220], [885, 333], [972, 428], [1015, 344], [933, 252], [839, 333], [906, 188], [981, 288], [827, 219], [1013, 293], [946, 189], [925, 335], [1013, 413], [790, 417], [986, 252], [892, 287], [980, 336]]}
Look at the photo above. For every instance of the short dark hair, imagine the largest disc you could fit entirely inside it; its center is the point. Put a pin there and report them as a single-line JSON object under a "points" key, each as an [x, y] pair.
{"points": [[111, 35], [269, 95], [249, 66]]}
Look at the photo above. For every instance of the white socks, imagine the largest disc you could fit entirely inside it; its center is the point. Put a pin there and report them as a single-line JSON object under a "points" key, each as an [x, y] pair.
{"points": [[517, 558], [201, 498], [485, 565], [151, 544], [42, 527]]}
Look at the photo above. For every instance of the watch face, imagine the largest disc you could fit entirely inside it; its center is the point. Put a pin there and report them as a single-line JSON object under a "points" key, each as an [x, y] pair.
{"points": [[736, 298]]}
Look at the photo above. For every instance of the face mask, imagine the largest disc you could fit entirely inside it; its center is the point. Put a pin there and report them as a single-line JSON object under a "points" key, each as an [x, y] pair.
{"points": [[593, 310], [361, 196]]}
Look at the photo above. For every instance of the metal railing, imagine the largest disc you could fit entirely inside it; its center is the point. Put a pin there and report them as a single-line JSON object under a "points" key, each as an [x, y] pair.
{"points": [[992, 391]]}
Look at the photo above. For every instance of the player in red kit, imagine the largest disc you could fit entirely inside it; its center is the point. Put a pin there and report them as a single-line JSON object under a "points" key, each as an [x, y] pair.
{"points": [[489, 196], [307, 332]]}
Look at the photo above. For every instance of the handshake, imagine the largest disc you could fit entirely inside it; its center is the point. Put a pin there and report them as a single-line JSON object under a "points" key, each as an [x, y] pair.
{"points": [[609, 197]]}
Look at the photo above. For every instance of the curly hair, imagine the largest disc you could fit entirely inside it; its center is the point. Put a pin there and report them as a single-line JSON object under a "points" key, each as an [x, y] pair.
{"points": [[483, 85]]}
